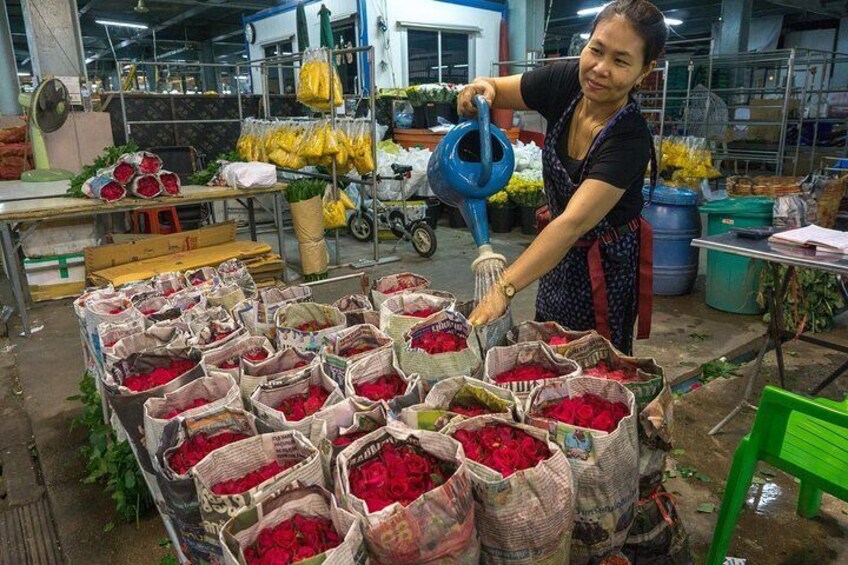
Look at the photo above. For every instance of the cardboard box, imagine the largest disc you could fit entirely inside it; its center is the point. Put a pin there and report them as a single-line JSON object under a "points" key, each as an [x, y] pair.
{"points": [[60, 237], [211, 256], [147, 247], [57, 276]]}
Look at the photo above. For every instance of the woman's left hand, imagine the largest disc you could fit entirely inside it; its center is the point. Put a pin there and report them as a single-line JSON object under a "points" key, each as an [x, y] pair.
{"points": [[491, 307]]}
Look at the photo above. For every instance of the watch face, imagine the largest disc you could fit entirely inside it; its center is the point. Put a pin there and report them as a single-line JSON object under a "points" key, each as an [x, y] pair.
{"points": [[250, 33]]}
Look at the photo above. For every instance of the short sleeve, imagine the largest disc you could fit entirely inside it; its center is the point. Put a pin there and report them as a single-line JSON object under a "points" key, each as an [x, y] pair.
{"points": [[622, 158], [548, 89]]}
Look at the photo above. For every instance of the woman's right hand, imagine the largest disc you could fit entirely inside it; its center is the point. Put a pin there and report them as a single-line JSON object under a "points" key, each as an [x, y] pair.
{"points": [[465, 101]]}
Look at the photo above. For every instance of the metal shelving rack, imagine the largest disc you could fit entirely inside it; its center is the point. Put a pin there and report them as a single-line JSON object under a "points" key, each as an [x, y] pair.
{"points": [[651, 102], [798, 80], [293, 61]]}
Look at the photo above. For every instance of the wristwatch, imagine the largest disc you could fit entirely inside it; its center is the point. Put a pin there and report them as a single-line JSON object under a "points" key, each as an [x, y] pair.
{"points": [[507, 288]]}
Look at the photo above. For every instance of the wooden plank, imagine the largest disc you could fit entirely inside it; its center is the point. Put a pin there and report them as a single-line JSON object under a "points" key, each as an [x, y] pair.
{"points": [[206, 256], [55, 208], [106, 256], [42, 293]]}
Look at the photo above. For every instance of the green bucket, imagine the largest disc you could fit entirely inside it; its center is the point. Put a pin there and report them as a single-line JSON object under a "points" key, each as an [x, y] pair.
{"points": [[733, 281]]}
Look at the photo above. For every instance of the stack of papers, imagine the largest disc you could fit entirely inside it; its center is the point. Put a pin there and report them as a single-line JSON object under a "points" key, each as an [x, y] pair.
{"points": [[814, 236]]}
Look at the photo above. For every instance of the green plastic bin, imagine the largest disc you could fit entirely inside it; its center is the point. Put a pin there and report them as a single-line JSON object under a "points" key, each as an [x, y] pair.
{"points": [[733, 281]]}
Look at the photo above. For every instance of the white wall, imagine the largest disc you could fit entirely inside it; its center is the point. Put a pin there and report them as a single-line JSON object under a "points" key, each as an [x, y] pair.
{"points": [[283, 26], [390, 48]]}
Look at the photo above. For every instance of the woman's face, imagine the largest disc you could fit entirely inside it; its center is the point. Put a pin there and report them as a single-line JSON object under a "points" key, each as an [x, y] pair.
{"points": [[612, 62]]}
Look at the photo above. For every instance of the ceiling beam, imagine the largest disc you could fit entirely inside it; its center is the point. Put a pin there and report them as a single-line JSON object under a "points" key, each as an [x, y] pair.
{"points": [[190, 13], [87, 7], [239, 5], [819, 8], [224, 36]]}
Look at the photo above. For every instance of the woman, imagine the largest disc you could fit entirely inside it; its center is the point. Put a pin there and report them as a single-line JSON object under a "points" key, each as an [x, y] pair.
{"points": [[596, 151]]}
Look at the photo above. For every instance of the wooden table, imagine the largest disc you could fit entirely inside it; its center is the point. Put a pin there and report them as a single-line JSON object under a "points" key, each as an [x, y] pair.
{"points": [[38, 202]]}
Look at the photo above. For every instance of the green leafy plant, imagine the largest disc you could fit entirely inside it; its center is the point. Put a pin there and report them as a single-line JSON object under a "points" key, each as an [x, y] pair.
{"points": [[422, 94], [304, 189], [203, 176], [108, 461], [109, 157], [718, 368], [813, 298]]}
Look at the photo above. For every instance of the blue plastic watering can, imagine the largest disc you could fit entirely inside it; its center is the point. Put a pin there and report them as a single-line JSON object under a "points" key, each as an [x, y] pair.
{"points": [[473, 161]]}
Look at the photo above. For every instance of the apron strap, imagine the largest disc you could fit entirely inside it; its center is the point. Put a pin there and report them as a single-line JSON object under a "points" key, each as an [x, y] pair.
{"points": [[599, 289], [646, 279]]}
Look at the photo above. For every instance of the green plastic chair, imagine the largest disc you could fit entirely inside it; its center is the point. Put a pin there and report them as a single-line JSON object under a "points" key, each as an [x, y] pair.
{"points": [[805, 438]]}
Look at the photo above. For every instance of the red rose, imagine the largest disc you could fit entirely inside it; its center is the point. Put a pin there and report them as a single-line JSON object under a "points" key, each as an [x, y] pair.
{"points": [[285, 538], [559, 340], [417, 465], [385, 387], [583, 415], [299, 406]]}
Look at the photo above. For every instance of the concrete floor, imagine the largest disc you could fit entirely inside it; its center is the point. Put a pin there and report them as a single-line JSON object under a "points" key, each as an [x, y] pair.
{"points": [[686, 334]]}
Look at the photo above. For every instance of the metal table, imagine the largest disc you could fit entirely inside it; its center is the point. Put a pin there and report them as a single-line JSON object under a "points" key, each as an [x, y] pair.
{"points": [[775, 255], [35, 208]]}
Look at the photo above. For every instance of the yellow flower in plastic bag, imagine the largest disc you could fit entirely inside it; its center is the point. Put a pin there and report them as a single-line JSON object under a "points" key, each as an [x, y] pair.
{"points": [[334, 214]]}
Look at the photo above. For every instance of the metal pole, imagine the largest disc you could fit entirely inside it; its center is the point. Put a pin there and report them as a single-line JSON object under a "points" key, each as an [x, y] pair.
{"points": [[238, 93], [688, 97], [13, 265], [824, 75], [662, 114], [373, 110], [334, 172], [281, 236], [781, 142], [127, 132], [801, 117]]}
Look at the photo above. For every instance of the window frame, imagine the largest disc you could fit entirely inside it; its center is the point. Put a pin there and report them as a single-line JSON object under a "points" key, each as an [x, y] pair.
{"points": [[471, 32]]}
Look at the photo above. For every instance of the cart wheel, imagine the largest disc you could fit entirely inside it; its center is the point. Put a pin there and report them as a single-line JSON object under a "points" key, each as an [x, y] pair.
{"points": [[423, 239], [397, 223], [361, 227]]}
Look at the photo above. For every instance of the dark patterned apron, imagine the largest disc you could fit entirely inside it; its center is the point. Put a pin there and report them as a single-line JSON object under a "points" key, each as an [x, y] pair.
{"points": [[605, 280]]}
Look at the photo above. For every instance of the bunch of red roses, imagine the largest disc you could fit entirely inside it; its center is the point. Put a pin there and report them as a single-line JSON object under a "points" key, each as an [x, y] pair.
{"points": [[159, 376], [587, 411], [402, 284], [312, 326], [604, 371], [347, 439], [399, 473], [196, 403], [470, 409], [425, 312], [300, 406], [505, 449], [528, 372], [117, 310], [193, 450], [292, 540], [253, 355], [251, 479], [440, 342], [559, 340], [385, 387]]}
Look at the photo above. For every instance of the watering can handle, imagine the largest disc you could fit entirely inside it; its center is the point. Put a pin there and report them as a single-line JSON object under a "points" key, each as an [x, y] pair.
{"points": [[485, 140]]}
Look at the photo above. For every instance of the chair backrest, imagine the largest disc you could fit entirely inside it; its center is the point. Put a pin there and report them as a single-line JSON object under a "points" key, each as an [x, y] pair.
{"points": [[804, 437]]}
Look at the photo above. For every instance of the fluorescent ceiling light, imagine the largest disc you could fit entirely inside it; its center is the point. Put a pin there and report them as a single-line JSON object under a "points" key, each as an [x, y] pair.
{"points": [[584, 36], [591, 11], [673, 21], [22, 74], [120, 24]]}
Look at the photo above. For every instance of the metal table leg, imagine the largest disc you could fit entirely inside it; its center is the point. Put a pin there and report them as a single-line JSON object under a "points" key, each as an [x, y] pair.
{"points": [[251, 219], [281, 235], [774, 301], [13, 265]]}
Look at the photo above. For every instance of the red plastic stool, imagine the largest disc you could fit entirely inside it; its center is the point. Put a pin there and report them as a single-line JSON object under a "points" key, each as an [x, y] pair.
{"points": [[156, 220]]}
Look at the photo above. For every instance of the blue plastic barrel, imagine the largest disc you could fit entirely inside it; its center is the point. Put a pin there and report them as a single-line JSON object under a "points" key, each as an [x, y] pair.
{"points": [[673, 213]]}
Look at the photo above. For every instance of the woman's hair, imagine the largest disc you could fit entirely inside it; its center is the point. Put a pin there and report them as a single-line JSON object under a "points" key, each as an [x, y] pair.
{"points": [[645, 18]]}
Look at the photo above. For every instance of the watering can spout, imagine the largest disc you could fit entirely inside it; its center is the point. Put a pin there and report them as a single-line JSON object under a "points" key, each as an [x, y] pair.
{"points": [[485, 140]]}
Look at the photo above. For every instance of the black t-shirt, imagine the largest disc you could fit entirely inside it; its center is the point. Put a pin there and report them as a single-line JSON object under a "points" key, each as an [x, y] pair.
{"points": [[620, 160]]}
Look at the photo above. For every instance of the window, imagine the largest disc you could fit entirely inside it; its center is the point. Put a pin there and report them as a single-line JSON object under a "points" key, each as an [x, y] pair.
{"points": [[280, 77], [344, 37], [437, 56]]}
